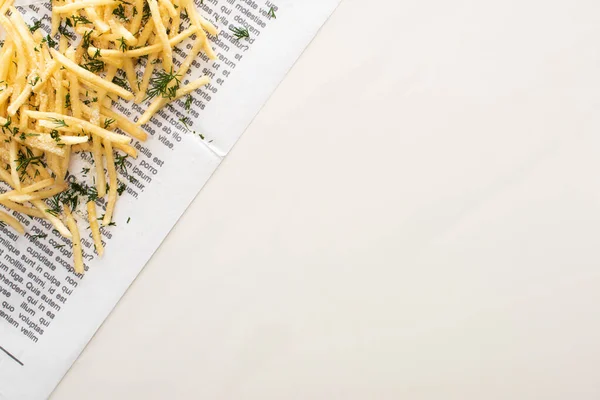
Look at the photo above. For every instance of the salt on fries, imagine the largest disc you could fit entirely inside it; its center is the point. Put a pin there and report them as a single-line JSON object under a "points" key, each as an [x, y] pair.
{"points": [[56, 96]]}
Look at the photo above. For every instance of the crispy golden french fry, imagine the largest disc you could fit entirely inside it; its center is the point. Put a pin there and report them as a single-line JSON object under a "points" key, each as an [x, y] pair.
{"points": [[95, 18], [136, 22], [6, 176], [54, 220], [160, 102], [76, 125], [76, 240], [131, 75], [32, 212], [93, 221], [148, 71], [12, 151], [35, 82], [108, 117], [142, 51], [90, 77], [23, 31], [114, 183], [147, 31], [79, 148], [79, 4], [30, 197], [175, 19], [12, 222], [127, 149], [161, 33], [202, 25], [5, 94], [38, 185]]}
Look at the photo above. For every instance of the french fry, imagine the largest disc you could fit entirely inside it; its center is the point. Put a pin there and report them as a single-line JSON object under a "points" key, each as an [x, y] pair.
{"points": [[65, 161], [90, 77], [95, 228], [30, 197], [5, 95], [121, 122], [55, 19], [142, 51], [74, 90], [32, 212], [80, 148], [131, 75], [127, 149], [175, 18], [36, 81], [12, 222], [95, 18], [160, 102], [137, 18], [14, 170], [6, 176], [97, 151], [23, 31], [120, 31], [201, 25], [141, 94], [37, 186], [161, 33], [147, 31], [7, 55], [112, 191], [72, 124], [54, 220], [76, 240], [79, 4]]}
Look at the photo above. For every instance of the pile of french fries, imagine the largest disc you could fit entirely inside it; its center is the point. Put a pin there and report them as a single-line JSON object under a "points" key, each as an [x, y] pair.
{"points": [[57, 92]]}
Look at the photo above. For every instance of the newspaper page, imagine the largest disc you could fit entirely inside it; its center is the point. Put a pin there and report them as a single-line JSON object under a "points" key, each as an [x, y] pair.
{"points": [[48, 313]]}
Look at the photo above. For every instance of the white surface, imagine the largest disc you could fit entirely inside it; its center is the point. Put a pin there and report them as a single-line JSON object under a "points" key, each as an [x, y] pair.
{"points": [[416, 224]]}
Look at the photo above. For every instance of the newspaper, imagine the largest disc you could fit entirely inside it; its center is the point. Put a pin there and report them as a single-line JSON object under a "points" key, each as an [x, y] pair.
{"points": [[48, 313]]}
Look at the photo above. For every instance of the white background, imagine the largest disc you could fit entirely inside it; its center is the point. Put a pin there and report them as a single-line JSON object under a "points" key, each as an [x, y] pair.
{"points": [[415, 214]]}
